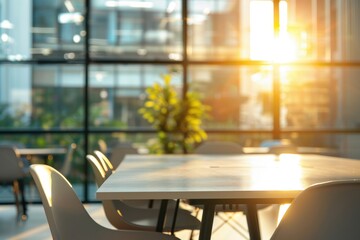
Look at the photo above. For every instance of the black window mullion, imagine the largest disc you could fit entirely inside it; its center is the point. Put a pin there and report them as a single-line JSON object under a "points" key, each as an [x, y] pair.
{"points": [[276, 78]]}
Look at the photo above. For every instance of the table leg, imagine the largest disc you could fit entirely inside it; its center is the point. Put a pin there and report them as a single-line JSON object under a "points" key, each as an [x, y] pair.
{"points": [[253, 222], [175, 216], [23, 200], [162, 215], [207, 221]]}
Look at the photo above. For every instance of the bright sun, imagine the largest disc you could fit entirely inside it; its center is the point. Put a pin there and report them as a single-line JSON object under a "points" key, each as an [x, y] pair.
{"points": [[263, 43]]}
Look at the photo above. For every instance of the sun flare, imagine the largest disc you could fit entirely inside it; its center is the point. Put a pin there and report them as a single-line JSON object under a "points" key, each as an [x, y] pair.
{"points": [[264, 43]]}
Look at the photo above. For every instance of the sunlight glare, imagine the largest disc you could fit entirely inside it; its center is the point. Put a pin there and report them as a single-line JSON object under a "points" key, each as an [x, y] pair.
{"points": [[264, 45], [282, 171]]}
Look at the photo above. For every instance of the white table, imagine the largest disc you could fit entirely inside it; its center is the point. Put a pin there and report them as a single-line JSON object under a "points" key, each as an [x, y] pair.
{"points": [[45, 153], [40, 151], [249, 179]]}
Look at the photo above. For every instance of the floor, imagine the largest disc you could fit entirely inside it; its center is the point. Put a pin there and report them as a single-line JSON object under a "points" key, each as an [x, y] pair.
{"points": [[36, 227]]}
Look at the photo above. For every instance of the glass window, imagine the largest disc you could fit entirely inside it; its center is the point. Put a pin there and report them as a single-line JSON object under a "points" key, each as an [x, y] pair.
{"points": [[118, 91], [51, 30], [319, 98], [239, 97], [136, 30], [41, 97]]}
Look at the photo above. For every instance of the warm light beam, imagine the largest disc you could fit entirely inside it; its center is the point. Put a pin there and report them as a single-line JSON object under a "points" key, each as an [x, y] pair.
{"points": [[264, 45]]}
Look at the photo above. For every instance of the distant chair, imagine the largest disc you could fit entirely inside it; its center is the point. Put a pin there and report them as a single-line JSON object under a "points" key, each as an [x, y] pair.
{"points": [[119, 152], [67, 216], [328, 211], [69, 156], [102, 145], [13, 170], [124, 216], [219, 147]]}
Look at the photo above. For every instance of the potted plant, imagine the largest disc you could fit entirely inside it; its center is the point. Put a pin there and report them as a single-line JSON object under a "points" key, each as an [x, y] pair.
{"points": [[177, 119]]}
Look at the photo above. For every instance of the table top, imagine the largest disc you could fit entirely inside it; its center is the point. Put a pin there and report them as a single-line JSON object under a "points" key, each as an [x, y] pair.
{"points": [[41, 151], [246, 176]]}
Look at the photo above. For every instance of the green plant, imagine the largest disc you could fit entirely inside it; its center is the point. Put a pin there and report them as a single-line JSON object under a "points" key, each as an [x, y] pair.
{"points": [[177, 120]]}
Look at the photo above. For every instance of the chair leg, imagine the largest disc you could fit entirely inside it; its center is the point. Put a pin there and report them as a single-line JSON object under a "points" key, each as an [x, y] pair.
{"points": [[23, 200], [16, 195]]}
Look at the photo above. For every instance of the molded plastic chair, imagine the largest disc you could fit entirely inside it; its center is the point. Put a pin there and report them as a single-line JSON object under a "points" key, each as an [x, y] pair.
{"points": [[328, 211], [67, 216], [218, 147], [118, 153], [12, 171], [66, 167], [124, 216]]}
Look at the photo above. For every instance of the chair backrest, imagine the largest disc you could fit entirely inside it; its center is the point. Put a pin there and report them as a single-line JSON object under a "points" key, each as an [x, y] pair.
{"points": [[102, 145], [116, 211], [11, 166], [219, 147], [283, 149], [65, 213], [66, 167], [118, 153], [97, 168], [324, 211], [105, 162]]}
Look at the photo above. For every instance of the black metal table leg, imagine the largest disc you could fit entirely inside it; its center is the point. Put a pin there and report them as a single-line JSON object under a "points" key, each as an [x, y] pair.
{"points": [[162, 215], [207, 221], [175, 216], [253, 222]]}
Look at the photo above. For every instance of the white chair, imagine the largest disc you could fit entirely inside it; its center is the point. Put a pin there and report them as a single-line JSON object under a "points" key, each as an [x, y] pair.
{"points": [[67, 216], [13, 170], [328, 211], [124, 216], [119, 152], [218, 147], [66, 167]]}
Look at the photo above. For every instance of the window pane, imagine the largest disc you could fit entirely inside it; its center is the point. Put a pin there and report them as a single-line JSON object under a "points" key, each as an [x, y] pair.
{"points": [[216, 31], [239, 97], [320, 98], [42, 97], [244, 29], [118, 91], [136, 29], [46, 29], [325, 30]]}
